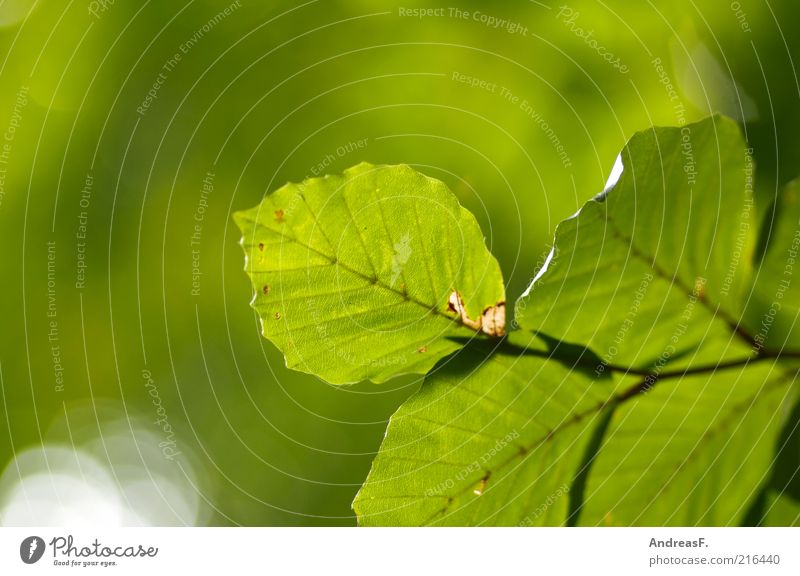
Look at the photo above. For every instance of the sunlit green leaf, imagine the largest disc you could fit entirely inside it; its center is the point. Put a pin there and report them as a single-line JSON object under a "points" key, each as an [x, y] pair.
{"points": [[369, 274]]}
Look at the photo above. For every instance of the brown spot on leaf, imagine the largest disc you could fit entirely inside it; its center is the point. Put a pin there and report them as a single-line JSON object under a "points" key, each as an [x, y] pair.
{"points": [[277, 315], [279, 213], [492, 321], [266, 289], [422, 350], [261, 246]]}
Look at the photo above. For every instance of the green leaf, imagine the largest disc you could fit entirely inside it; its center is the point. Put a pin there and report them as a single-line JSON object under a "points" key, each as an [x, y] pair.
{"points": [[655, 273], [774, 305], [488, 439], [781, 511], [670, 417], [369, 274]]}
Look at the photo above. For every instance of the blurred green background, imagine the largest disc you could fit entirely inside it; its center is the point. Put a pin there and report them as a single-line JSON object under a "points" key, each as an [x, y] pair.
{"points": [[131, 362]]}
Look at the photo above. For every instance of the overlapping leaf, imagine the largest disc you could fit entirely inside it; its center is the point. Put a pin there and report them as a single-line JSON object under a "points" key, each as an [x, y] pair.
{"points": [[518, 437], [673, 418]]}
